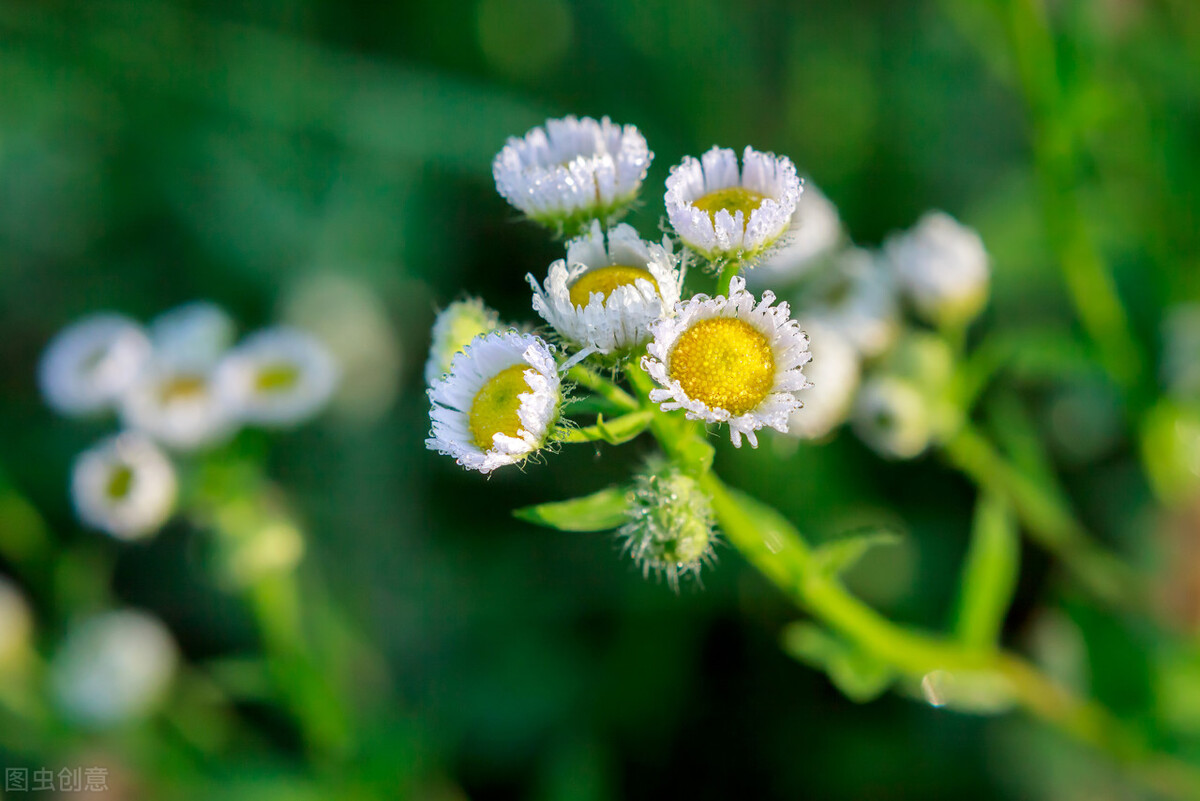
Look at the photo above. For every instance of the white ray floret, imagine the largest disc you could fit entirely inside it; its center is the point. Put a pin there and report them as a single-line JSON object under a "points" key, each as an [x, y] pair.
{"points": [[942, 267], [198, 332], [608, 290], [498, 403], [455, 327], [573, 170], [124, 486], [815, 233], [280, 376], [734, 360], [723, 213], [90, 363], [857, 298], [835, 372], [175, 401]]}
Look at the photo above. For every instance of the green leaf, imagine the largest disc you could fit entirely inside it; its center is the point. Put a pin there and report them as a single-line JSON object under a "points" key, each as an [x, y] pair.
{"points": [[614, 432], [989, 576], [599, 511], [860, 676], [836, 557]]}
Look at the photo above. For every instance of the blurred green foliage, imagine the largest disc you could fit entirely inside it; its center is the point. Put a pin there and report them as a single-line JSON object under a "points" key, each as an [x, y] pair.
{"points": [[154, 152]]}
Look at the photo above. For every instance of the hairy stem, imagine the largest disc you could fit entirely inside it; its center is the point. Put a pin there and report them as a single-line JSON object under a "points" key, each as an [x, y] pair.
{"points": [[603, 387]]}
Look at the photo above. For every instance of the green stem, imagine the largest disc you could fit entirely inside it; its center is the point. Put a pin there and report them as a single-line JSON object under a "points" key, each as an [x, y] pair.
{"points": [[614, 432], [1047, 520], [989, 576], [603, 387], [728, 273]]}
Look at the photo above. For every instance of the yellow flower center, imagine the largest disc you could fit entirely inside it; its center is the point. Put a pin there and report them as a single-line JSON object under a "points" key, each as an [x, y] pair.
{"points": [[277, 377], [494, 410], [733, 200], [119, 482], [725, 363], [605, 279], [182, 387]]}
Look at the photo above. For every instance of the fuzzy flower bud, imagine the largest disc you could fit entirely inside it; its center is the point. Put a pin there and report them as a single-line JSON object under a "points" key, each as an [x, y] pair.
{"points": [[455, 327], [670, 526]]}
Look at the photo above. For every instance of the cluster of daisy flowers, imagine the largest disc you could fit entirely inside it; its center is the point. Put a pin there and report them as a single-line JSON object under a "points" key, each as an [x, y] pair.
{"points": [[177, 386], [617, 304]]}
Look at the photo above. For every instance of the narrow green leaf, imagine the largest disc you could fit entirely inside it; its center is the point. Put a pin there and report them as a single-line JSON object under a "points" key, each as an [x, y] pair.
{"points": [[860, 676], [838, 556], [990, 574], [614, 432], [599, 511]]}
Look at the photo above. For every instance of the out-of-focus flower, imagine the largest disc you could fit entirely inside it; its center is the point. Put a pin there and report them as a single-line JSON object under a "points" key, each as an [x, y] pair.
{"points": [[835, 371], [112, 668], [670, 525], [1181, 351], [90, 363], [733, 360], [352, 321], [279, 376], [455, 327], [815, 232], [722, 212], [175, 402], [573, 171], [892, 416], [124, 486], [942, 267], [609, 289], [857, 299], [16, 624], [498, 403], [196, 333]]}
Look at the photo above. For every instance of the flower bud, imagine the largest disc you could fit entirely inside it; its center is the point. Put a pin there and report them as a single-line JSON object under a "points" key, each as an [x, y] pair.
{"points": [[670, 525], [893, 417], [943, 268], [455, 327]]}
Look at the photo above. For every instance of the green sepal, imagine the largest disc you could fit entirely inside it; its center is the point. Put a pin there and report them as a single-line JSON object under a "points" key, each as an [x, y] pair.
{"points": [[860, 676], [600, 511]]}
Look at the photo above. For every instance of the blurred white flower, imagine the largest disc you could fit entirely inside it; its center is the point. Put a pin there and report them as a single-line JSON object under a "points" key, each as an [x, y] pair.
{"points": [[350, 318], [722, 212], [498, 403], [1181, 351], [892, 416], [279, 376], [835, 371], [942, 267], [856, 298], [608, 289], [733, 360], [16, 623], [113, 667], [174, 401], [124, 486], [197, 333], [87, 366], [455, 327], [815, 232], [573, 170]]}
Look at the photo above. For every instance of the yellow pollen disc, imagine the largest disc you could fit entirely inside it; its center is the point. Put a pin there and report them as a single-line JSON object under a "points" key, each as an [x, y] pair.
{"points": [[276, 377], [725, 363], [494, 410], [182, 387], [605, 280], [119, 482], [733, 200]]}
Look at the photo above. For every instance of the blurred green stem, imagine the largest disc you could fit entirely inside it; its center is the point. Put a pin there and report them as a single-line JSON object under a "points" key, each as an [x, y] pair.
{"points": [[989, 576], [1047, 519], [1092, 290]]}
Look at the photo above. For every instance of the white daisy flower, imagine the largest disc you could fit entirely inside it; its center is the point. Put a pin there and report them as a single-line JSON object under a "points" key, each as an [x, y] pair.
{"points": [[815, 232], [124, 486], [198, 332], [87, 366], [498, 403], [174, 400], [113, 667], [730, 360], [573, 170], [16, 624], [835, 372], [455, 327], [893, 417], [279, 376], [942, 267], [723, 213], [604, 295], [857, 299]]}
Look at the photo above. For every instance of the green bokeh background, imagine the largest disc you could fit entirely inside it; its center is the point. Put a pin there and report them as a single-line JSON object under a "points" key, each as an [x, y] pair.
{"points": [[157, 152]]}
